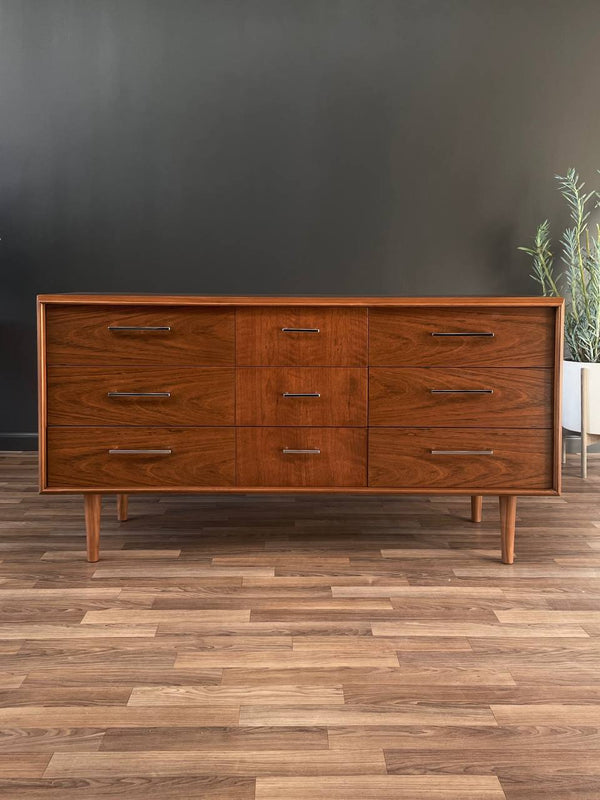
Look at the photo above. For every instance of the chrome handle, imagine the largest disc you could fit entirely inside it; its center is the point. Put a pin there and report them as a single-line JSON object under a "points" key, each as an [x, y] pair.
{"points": [[462, 452], [138, 394], [301, 394], [139, 452], [461, 391], [287, 451], [462, 333], [139, 328], [301, 330]]}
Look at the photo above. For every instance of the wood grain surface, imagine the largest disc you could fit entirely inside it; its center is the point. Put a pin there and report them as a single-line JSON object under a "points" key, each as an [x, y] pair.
{"points": [[261, 400], [404, 457], [79, 457], [479, 397], [293, 647], [340, 457], [339, 338], [198, 396], [356, 301], [522, 337], [80, 335]]}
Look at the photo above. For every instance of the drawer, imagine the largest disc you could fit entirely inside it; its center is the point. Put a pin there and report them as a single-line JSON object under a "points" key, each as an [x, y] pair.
{"points": [[141, 396], [480, 397], [335, 457], [301, 396], [517, 337], [451, 458], [301, 336], [116, 335], [182, 457]]}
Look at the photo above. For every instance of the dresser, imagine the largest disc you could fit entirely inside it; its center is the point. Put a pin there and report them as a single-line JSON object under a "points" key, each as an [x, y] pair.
{"points": [[142, 393]]}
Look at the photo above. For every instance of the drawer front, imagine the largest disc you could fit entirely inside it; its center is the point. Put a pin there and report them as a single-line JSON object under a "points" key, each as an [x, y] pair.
{"points": [[481, 397], [301, 336], [336, 457], [182, 457], [141, 396], [452, 458], [116, 335], [518, 337], [315, 396]]}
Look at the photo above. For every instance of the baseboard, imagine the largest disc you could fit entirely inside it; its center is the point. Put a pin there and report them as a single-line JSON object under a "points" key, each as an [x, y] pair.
{"points": [[18, 441]]}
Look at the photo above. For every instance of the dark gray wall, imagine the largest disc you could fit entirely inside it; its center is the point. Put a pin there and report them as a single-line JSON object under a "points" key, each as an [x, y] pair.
{"points": [[293, 146]]}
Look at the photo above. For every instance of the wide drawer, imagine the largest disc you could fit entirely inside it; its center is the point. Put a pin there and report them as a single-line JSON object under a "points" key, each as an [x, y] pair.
{"points": [[141, 396], [518, 337], [301, 336], [479, 397], [116, 335], [301, 456], [119, 458], [301, 396], [450, 458]]}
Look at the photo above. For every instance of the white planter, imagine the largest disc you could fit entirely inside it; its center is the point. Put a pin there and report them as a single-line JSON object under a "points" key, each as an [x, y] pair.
{"points": [[571, 399]]}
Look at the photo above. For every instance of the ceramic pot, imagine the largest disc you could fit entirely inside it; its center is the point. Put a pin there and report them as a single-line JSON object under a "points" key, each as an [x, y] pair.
{"points": [[571, 399]]}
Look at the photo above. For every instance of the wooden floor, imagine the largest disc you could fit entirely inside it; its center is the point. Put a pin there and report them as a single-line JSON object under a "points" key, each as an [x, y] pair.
{"points": [[299, 648]]}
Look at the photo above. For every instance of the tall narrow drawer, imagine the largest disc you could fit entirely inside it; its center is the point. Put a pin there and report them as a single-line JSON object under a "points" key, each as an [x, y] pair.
{"points": [[479, 397], [483, 337], [301, 336], [140, 458], [301, 396], [141, 396], [301, 456], [450, 458], [114, 335]]}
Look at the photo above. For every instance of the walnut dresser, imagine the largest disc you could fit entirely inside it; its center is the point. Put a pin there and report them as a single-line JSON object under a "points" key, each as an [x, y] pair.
{"points": [[143, 393]]}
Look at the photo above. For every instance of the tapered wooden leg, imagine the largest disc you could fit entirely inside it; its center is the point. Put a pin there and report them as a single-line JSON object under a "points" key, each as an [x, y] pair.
{"points": [[584, 446], [585, 412], [93, 503], [476, 507], [122, 507], [508, 512]]}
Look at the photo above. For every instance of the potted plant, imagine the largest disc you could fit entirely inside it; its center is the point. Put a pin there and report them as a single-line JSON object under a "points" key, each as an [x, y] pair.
{"points": [[579, 281]]}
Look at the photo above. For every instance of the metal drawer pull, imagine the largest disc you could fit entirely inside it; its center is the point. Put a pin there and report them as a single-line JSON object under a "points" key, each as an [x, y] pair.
{"points": [[287, 451], [118, 328], [463, 333], [301, 330], [140, 452], [138, 394], [461, 391], [462, 452], [301, 394]]}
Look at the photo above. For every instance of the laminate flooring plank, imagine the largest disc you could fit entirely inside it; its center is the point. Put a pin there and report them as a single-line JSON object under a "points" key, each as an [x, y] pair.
{"points": [[235, 695], [409, 714], [388, 787], [549, 617], [475, 630], [23, 765], [111, 555], [115, 716], [215, 738], [84, 631], [519, 737], [248, 763], [152, 616], [50, 740], [277, 659], [140, 787], [546, 714]]}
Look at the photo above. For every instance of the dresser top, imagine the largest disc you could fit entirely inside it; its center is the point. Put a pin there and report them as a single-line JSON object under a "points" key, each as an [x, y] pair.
{"points": [[250, 300]]}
